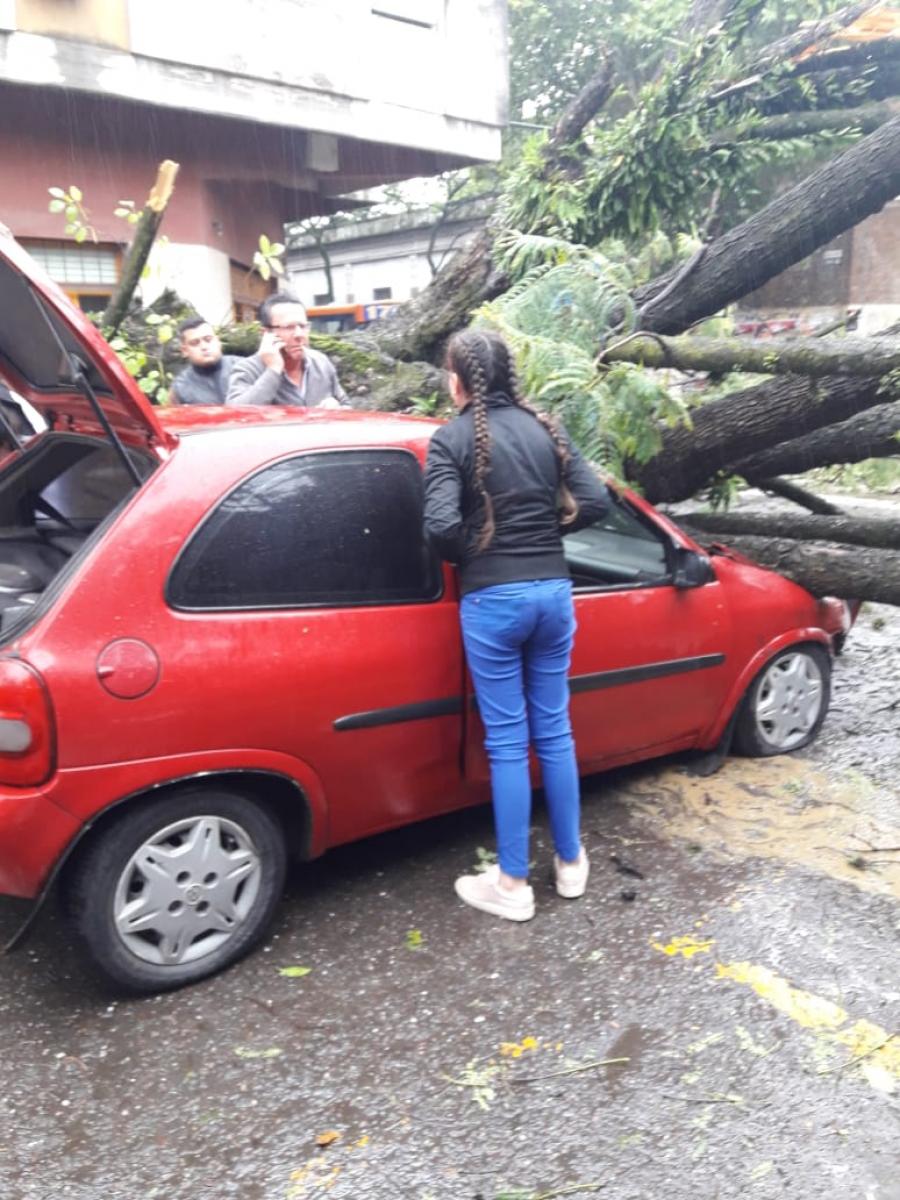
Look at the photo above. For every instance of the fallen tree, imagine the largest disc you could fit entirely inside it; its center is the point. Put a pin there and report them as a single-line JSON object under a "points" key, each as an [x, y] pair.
{"points": [[824, 568], [878, 532]]}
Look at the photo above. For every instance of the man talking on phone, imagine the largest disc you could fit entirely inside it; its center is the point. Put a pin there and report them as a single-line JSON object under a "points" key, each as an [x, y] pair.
{"points": [[285, 370]]}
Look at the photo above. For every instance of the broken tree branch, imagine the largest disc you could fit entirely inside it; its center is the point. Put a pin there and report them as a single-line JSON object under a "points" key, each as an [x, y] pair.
{"points": [[144, 236]]}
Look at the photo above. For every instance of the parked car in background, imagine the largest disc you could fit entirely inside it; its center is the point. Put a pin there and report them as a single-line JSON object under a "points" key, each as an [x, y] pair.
{"points": [[224, 643]]}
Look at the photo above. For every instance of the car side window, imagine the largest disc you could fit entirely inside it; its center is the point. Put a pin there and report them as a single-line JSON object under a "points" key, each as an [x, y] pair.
{"points": [[619, 551], [321, 529]]}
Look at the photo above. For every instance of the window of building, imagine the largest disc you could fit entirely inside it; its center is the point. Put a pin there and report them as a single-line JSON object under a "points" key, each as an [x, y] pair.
{"points": [[619, 550], [323, 529], [248, 291], [382, 293], [88, 273]]}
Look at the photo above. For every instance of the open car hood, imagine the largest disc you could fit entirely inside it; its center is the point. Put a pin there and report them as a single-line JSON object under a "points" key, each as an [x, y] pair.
{"points": [[39, 328]]}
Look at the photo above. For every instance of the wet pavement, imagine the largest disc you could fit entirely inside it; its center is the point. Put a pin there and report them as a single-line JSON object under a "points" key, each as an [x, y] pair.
{"points": [[713, 1020]]}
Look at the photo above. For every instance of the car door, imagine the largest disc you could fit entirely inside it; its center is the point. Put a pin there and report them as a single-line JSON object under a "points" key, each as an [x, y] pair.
{"points": [[327, 635], [650, 662]]}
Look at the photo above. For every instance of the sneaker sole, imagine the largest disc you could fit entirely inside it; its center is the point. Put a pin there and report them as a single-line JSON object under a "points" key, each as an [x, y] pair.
{"points": [[496, 909], [570, 892]]}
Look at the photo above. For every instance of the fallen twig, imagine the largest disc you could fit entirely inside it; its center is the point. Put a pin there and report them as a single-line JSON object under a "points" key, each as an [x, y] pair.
{"points": [[716, 1098], [858, 1058], [602, 1062]]}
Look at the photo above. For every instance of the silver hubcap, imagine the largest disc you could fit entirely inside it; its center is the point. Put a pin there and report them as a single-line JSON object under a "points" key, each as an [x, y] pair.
{"points": [[789, 700], [187, 890]]}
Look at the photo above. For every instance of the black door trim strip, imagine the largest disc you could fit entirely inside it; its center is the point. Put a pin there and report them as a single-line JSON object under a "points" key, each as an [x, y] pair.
{"points": [[672, 666], [423, 710]]}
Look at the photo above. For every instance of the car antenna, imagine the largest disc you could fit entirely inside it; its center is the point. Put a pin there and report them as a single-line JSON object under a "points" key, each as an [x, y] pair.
{"points": [[78, 376]]}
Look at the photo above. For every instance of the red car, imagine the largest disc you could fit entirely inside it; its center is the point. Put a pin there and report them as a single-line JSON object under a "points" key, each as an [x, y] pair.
{"points": [[224, 642]]}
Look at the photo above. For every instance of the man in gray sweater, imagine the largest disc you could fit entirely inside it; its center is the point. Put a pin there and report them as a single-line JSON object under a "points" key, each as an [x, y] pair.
{"points": [[285, 370]]}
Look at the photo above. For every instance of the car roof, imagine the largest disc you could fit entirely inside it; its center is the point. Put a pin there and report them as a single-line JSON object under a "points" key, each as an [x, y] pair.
{"points": [[296, 428]]}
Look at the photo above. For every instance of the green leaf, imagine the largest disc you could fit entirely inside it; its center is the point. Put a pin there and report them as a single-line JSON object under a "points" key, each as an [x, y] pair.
{"points": [[248, 1052], [277, 267], [265, 245], [294, 972], [75, 193], [81, 233], [414, 939], [57, 193], [57, 206]]}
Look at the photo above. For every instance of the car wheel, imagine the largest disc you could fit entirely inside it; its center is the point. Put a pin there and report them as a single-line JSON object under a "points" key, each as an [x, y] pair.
{"points": [[178, 889], [786, 703]]}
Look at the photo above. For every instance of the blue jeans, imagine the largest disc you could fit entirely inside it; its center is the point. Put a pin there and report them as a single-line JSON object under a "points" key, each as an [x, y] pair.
{"points": [[518, 640]]}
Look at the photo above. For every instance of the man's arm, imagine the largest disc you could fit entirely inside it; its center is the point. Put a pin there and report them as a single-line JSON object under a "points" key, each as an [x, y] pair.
{"points": [[336, 390], [250, 382]]}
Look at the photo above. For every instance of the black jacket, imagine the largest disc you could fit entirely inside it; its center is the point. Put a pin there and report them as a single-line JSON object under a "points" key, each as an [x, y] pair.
{"points": [[523, 482]]}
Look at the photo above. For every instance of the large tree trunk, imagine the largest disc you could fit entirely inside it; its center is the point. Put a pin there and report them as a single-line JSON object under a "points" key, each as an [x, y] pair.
{"points": [[421, 326], [870, 434], [878, 532], [824, 568], [751, 420], [828, 202]]}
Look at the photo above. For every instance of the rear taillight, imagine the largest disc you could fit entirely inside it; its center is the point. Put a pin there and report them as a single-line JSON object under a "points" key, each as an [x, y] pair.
{"points": [[26, 726]]}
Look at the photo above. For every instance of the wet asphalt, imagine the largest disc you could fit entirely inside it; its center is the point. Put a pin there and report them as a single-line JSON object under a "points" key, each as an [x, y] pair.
{"points": [[714, 1019]]}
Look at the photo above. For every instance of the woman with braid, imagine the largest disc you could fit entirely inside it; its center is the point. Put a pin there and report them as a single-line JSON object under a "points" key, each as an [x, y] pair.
{"points": [[502, 484]]}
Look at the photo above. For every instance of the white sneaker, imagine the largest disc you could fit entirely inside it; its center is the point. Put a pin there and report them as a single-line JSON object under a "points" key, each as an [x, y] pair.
{"points": [[485, 893], [571, 878]]}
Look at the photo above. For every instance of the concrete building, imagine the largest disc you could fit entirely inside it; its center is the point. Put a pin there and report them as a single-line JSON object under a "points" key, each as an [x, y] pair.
{"points": [[273, 108], [378, 259], [860, 270]]}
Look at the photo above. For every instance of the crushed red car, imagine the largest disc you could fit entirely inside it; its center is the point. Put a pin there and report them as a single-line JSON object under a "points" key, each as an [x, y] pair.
{"points": [[224, 643]]}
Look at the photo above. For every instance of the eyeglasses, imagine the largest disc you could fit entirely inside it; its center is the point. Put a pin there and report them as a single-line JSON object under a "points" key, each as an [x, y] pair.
{"points": [[294, 327]]}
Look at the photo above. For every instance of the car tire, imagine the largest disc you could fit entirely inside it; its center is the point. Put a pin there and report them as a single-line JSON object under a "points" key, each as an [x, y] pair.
{"points": [[177, 889], [786, 704]]}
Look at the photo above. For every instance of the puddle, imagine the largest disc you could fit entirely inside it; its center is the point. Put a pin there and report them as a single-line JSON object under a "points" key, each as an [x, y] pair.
{"points": [[778, 808]]}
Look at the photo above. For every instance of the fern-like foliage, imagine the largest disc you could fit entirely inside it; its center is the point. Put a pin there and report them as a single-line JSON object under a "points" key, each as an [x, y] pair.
{"points": [[556, 318]]}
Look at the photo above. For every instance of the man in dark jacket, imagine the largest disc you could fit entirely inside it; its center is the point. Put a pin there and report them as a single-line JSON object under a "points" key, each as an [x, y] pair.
{"points": [[205, 379]]}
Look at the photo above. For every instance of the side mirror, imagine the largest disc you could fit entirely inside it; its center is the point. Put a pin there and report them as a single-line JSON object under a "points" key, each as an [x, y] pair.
{"points": [[691, 568]]}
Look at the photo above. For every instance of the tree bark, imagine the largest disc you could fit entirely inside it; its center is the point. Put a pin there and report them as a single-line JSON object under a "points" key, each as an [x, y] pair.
{"points": [[144, 236], [726, 432], [776, 486], [772, 356], [865, 117], [831, 200], [420, 327], [855, 530], [824, 568], [870, 434]]}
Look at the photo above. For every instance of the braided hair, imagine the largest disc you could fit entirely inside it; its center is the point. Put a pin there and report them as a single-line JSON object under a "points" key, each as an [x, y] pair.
{"points": [[483, 362]]}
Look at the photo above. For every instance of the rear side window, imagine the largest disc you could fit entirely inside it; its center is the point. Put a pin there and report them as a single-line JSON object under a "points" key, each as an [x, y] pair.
{"points": [[337, 528]]}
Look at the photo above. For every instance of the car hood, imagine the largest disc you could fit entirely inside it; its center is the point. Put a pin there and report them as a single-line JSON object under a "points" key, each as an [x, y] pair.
{"points": [[39, 328]]}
